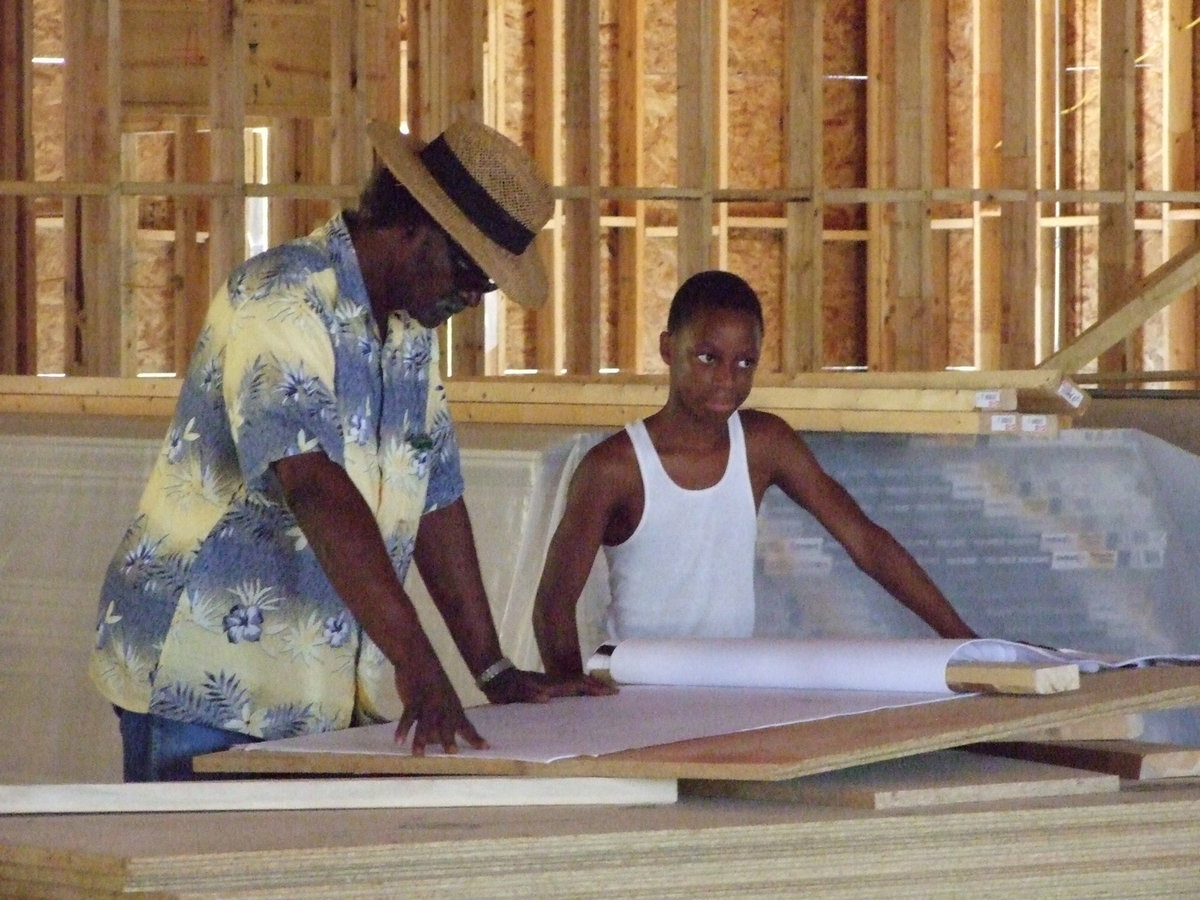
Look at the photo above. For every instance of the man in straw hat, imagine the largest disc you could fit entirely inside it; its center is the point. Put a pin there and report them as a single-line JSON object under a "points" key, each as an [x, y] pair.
{"points": [[259, 591]]}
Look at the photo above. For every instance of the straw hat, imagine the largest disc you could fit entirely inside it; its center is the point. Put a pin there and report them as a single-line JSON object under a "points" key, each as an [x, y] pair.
{"points": [[484, 190]]}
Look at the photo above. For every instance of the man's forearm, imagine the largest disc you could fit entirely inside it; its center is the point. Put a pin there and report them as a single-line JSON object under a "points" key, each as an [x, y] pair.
{"points": [[346, 541], [449, 565]]}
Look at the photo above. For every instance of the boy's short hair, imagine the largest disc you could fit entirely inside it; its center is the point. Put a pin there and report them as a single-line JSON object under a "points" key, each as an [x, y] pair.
{"points": [[714, 289], [384, 202]]}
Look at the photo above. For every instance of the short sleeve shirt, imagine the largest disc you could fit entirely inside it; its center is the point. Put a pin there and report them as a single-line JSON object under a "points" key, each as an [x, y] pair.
{"points": [[214, 609]]}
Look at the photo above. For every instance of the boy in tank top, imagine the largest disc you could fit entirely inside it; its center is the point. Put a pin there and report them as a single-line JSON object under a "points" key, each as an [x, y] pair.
{"points": [[673, 499]]}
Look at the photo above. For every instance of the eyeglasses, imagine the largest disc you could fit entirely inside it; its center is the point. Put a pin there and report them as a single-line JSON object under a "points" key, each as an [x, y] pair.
{"points": [[467, 274]]}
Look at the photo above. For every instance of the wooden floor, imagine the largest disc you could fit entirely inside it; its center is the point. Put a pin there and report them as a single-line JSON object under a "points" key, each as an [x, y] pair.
{"points": [[1141, 842]]}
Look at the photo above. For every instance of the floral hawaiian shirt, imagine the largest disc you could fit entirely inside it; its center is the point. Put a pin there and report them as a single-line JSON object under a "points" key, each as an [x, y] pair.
{"points": [[214, 609]]}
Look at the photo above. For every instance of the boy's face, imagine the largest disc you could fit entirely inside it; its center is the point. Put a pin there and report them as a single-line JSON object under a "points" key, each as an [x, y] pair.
{"points": [[712, 361]]}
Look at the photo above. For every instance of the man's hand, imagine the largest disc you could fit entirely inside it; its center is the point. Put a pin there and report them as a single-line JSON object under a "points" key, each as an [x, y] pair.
{"points": [[520, 686], [434, 714]]}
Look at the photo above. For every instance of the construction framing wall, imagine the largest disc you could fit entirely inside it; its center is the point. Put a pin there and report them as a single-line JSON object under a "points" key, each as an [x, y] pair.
{"points": [[911, 185]]}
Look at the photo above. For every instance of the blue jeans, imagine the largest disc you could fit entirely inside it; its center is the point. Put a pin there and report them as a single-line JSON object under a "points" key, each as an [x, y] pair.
{"points": [[158, 749]]}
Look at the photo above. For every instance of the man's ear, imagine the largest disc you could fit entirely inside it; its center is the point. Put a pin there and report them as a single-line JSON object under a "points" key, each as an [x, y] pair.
{"points": [[664, 347]]}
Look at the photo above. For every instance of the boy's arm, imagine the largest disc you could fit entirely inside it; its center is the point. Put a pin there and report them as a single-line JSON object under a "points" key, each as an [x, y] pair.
{"points": [[569, 561], [872, 548]]}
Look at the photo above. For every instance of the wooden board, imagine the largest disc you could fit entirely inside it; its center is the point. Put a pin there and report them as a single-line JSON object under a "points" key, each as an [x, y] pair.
{"points": [[890, 402], [1135, 760], [1103, 728], [789, 751], [1012, 678], [330, 793], [927, 779]]}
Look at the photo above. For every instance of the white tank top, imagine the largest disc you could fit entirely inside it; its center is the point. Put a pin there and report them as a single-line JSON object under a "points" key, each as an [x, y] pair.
{"points": [[688, 568]]}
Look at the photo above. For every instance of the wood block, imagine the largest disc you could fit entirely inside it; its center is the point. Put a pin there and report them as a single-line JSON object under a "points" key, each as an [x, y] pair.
{"points": [[1134, 760], [1012, 678], [1101, 728], [928, 779], [330, 793]]}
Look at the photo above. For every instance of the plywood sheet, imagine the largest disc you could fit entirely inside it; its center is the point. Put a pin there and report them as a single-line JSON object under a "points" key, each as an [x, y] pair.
{"points": [[1104, 728], [329, 793], [1135, 760], [928, 779], [789, 751]]}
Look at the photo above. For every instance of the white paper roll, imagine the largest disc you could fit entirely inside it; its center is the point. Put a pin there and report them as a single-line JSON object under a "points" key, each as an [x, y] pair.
{"points": [[852, 665]]}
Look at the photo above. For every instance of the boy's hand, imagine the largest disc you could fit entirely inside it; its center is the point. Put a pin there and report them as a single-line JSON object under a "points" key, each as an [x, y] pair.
{"points": [[520, 686]]}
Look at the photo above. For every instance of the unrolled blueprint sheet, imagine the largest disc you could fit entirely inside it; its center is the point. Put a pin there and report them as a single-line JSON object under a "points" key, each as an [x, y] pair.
{"points": [[639, 716], [711, 687]]}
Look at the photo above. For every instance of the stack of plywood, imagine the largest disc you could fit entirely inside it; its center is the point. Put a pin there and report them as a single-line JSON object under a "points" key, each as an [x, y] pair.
{"points": [[1133, 844], [814, 836]]}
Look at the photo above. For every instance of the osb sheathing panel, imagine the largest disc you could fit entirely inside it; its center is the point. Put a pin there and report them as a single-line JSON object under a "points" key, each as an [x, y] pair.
{"points": [[960, 165], [844, 147], [960, 278], [844, 324], [516, 117], [1079, 276], [48, 129], [1080, 123], [659, 152], [164, 56], [47, 28], [758, 256], [517, 48], [1154, 332], [845, 98], [1149, 100], [1151, 340], [845, 150], [47, 90], [960, 106], [47, 93], [1195, 32], [659, 130], [661, 281], [1149, 86], [149, 275], [608, 306], [1080, 118], [754, 133], [49, 252]]}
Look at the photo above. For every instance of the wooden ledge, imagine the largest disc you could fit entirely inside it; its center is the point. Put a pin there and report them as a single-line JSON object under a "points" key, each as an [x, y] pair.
{"points": [[1029, 402]]}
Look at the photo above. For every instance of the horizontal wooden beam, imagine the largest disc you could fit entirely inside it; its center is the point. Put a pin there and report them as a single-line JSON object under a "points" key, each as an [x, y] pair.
{"points": [[897, 403], [829, 196], [782, 396]]}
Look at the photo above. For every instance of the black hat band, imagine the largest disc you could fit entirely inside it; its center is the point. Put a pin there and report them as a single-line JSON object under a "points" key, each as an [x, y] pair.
{"points": [[473, 199]]}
